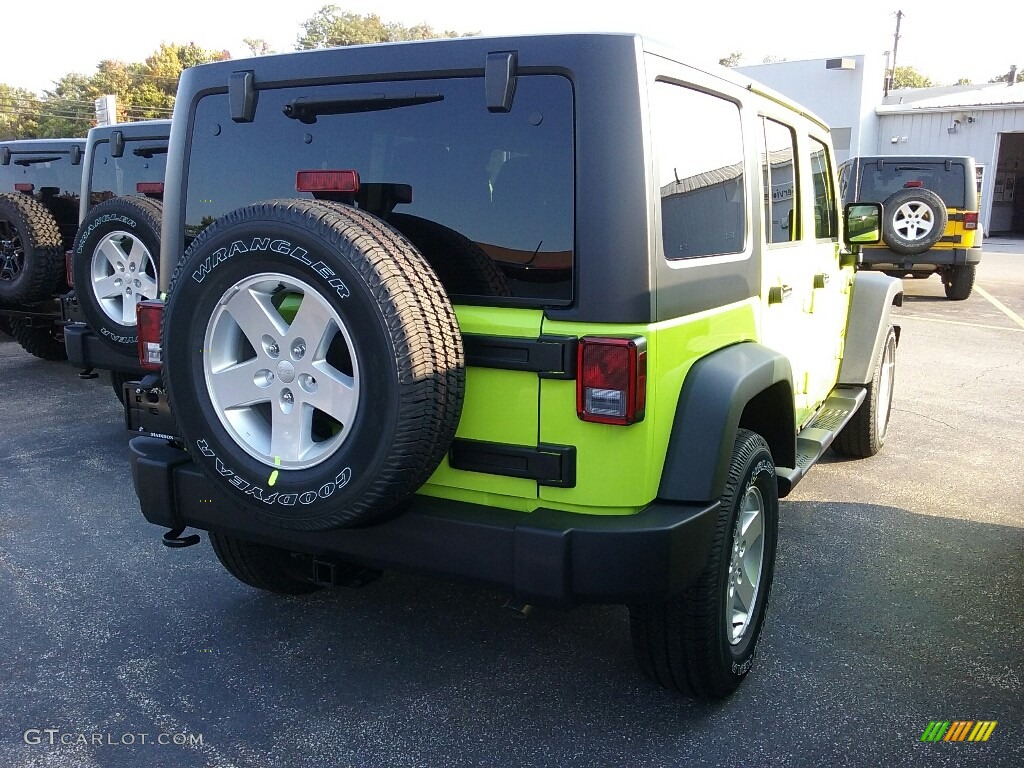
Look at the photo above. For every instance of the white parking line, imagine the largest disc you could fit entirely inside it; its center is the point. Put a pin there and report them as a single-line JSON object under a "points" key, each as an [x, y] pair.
{"points": [[1000, 306], [903, 315]]}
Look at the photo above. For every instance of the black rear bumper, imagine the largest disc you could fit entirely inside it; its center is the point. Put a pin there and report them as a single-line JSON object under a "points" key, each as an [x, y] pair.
{"points": [[547, 556], [85, 350], [883, 258]]}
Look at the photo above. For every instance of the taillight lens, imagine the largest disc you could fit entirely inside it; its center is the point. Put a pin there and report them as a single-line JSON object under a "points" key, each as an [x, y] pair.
{"points": [[327, 181], [611, 380], [971, 220], [69, 268], [149, 316], [913, 184], [24, 187], [150, 187]]}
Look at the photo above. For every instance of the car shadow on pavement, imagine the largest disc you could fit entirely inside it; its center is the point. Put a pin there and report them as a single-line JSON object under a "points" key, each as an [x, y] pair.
{"points": [[880, 621]]}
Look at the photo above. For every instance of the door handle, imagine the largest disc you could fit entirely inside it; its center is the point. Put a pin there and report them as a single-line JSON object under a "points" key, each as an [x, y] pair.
{"points": [[779, 293], [821, 279]]}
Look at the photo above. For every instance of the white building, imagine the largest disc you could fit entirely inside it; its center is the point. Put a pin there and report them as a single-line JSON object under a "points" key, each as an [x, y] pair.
{"points": [[984, 121]]}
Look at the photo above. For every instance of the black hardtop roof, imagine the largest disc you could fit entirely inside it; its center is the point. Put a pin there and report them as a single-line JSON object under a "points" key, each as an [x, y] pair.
{"points": [[28, 146], [155, 129]]}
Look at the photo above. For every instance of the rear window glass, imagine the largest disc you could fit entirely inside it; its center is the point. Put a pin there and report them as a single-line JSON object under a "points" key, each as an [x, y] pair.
{"points": [[143, 160], [879, 180], [502, 181], [52, 170]]}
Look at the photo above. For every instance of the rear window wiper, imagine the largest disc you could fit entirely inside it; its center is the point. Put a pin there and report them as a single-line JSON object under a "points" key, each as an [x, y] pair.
{"points": [[307, 110], [148, 152], [34, 160]]}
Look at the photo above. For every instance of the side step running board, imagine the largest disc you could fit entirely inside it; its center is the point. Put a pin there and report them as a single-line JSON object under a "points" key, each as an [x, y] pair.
{"points": [[816, 437]]}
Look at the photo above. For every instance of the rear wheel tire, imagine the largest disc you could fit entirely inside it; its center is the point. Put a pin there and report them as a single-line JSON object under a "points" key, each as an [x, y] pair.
{"points": [[959, 281], [702, 643], [864, 435], [31, 250], [263, 567], [44, 342], [117, 382]]}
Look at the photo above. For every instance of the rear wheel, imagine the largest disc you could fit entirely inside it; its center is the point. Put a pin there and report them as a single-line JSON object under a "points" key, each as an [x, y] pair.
{"points": [[959, 281], [864, 435], [702, 642], [31, 250], [263, 567], [117, 381], [45, 342]]}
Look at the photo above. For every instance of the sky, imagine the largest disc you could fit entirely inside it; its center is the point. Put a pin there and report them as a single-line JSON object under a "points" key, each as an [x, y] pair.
{"points": [[944, 40]]}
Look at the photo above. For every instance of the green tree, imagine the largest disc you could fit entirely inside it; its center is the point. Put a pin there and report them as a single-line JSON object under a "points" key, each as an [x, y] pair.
{"points": [[257, 46], [331, 26], [67, 111], [908, 77], [963, 81], [732, 60], [19, 113]]}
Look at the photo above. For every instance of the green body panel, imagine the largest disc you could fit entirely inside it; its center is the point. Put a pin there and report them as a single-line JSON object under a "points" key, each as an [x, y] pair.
{"points": [[618, 469], [499, 407]]}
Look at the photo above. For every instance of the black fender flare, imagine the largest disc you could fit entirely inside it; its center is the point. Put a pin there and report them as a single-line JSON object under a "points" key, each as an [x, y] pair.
{"points": [[713, 401], [874, 296]]}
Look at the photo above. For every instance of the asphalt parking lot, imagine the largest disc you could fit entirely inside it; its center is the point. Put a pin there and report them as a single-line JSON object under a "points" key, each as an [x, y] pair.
{"points": [[898, 600]]}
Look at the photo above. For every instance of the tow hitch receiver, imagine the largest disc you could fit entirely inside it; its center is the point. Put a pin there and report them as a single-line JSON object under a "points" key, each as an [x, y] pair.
{"points": [[342, 574]]}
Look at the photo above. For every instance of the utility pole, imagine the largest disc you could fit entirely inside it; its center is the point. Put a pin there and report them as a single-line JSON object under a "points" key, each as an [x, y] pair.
{"points": [[895, 46]]}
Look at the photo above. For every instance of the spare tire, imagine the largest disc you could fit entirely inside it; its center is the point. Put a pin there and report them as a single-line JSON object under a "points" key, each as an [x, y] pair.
{"points": [[461, 265], [31, 250], [115, 266], [313, 363], [915, 220]]}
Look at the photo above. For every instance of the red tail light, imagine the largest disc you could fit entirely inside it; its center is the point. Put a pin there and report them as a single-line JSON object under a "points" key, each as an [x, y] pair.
{"points": [[911, 184], [150, 187], [611, 380], [149, 315], [327, 181], [69, 268], [971, 220], [24, 187]]}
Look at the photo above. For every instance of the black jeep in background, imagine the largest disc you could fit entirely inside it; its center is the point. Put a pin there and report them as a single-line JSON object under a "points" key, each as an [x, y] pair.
{"points": [[40, 185]]}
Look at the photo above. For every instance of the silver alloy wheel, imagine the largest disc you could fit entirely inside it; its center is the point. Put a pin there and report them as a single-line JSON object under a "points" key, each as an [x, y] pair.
{"points": [[913, 220], [123, 273], [885, 388], [745, 565], [281, 371]]}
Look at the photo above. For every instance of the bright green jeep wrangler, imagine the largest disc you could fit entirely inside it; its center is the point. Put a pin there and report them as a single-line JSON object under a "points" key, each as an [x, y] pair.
{"points": [[557, 314]]}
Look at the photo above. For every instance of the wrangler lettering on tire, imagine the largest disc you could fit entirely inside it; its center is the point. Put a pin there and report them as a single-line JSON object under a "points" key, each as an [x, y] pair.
{"points": [[322, 377], [115, 266]]}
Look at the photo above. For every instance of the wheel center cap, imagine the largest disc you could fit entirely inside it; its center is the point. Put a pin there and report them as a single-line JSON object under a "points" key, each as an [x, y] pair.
{"points": [[286, 372]]}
